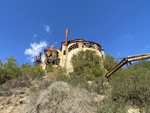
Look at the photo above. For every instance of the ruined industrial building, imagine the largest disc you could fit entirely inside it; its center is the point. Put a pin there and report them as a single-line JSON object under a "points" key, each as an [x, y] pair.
{"points": [[63, 56]]}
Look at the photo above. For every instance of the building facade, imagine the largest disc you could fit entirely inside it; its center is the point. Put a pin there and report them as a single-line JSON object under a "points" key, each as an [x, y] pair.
{"points": [[74, 46], [63, 56]]}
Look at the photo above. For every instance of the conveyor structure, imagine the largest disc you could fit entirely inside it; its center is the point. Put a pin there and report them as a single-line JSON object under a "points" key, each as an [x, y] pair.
{"points": [[126, 60]]}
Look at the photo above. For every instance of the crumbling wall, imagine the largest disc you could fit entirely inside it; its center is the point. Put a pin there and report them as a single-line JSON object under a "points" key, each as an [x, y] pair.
{"points": [[52, 55]]}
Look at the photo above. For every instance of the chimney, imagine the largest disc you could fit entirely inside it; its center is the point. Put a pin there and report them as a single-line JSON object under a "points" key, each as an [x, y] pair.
{"points": [[67, 32], [66, 44]]}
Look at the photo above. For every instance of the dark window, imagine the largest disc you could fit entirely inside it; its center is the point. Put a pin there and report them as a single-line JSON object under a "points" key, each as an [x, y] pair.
{"points": [[74, 46], [88, 45], [64, 53]]}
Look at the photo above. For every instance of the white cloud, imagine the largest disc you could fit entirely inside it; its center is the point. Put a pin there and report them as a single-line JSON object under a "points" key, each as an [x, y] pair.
{"points": [[35, 49], [47, 28]]}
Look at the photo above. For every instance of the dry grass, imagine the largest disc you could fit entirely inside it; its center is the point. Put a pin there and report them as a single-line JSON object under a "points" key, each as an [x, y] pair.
{"points": [[9, 88], [60, 97]]}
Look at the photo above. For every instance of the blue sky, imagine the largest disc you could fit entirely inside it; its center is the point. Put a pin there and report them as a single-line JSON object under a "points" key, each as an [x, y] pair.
{"points": [[29, 26]]}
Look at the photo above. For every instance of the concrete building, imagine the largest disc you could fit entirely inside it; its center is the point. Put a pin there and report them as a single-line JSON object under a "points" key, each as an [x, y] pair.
{"points": [[68, 49], [73, 47]]}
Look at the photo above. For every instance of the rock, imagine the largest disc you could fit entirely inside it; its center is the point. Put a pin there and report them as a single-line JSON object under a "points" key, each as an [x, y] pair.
{"points": [[22, 101], [99, 98], [1, 107], [90, 82], [133, 110]]}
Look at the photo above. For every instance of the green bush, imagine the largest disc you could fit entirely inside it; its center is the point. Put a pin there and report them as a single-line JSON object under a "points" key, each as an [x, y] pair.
{"points": [[131, 85], [49, 68], [81, 81], [60, 70], [34, 89], [109, 62], [11, 67], [32, 71], [110, 106], [87, 63], [9, 70]]}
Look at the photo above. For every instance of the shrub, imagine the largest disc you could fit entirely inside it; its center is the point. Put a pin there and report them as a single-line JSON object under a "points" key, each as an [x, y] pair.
{"points": [[9, 87], [131, 84], [49, 68], [109, 62], [81, 81], [60, 97], [11, 67], [32, 71], [110, 106], [87, 63], [9, 70], [34, 89]]}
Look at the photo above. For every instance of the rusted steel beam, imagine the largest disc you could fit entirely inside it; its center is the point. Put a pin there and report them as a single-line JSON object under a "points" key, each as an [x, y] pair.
{"points": [[138, 57], [38, 60], [118, 66], [125, 61]]}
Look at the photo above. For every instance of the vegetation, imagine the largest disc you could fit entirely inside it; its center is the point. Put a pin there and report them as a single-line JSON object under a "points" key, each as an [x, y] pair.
{"points": [[49, 68], [110, 106], [32, 71], [129, 86], [109, 62], [11, 70], [87, 63], [60, 97]]}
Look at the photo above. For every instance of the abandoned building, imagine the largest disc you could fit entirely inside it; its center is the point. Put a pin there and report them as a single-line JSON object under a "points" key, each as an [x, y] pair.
{"points": [[63, 56]]}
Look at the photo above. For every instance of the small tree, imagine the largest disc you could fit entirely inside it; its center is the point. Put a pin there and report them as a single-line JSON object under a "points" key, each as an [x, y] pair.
{"points": [[2, 79], [32, 71], [87, 63], [109, 62], [11, 67], [9, 70], [25, 69], [1, 67]]}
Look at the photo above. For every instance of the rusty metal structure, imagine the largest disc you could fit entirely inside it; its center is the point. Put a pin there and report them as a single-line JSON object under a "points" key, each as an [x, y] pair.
{"points": [[67, 32], [38, 59], [126, 60], [66, 43], [52, 55]]}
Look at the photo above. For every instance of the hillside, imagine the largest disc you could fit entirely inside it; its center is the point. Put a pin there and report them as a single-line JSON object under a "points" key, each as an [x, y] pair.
{"points": [[30, 89], [47, 96]]}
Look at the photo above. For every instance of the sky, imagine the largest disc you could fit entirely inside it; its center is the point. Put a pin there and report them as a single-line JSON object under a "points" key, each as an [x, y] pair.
{"points": [[29, 26]]}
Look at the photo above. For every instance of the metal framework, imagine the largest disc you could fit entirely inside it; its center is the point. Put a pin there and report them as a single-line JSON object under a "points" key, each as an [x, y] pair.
{"points": [[126, 60], [38, 59]]}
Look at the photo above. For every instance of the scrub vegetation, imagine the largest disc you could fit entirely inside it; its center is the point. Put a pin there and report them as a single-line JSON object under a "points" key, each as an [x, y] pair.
{"points": [[78, 91]]}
